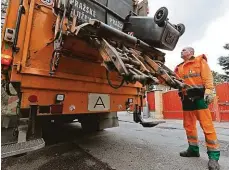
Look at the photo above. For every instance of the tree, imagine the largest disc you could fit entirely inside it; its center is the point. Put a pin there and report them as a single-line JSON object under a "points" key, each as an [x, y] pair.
{"points": [[219, 78], [224, 61]]}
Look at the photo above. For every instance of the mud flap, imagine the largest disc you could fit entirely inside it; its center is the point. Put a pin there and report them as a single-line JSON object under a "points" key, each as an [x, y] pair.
{"points": [[138, 118]]}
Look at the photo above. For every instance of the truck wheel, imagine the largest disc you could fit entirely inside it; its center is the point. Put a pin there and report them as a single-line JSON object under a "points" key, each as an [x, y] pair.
{"points": [[161, 16], [181, 28], [90, 126]]}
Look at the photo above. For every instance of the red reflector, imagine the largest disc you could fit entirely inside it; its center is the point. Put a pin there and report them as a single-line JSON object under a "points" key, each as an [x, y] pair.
{"points": [[56, 108], [33, 99]]}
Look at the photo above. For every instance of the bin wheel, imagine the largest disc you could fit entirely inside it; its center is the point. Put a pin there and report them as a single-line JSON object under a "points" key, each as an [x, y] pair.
{"points": [[161, 16], [181, 28]]}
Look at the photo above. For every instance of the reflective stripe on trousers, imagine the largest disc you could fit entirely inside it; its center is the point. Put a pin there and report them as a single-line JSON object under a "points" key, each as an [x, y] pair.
{"points": [[193, 143], [190, 127], [213, 149], [204, 117]]}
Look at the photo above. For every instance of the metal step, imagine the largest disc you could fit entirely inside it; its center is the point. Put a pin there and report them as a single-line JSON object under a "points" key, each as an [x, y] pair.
{"points": [[24, 119], [23, 147]]}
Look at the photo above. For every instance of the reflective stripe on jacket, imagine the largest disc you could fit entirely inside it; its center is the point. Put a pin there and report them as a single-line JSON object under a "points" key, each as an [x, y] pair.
{"points": [[196, 72]]}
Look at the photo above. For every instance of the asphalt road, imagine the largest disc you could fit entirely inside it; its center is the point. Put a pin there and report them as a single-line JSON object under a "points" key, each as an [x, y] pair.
{"points": [[127, 147]]}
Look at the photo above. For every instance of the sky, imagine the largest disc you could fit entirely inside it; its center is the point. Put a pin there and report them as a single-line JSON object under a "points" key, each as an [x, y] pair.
{"points": [[207, 28]]}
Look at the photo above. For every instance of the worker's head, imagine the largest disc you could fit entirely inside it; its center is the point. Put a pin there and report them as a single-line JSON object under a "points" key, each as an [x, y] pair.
{"points": [[187, 53]]}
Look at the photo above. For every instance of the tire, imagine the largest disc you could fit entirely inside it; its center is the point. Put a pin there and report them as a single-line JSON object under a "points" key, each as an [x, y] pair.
{"points": [[90, 123], [90, 126], [181, 28], [161, 16]]}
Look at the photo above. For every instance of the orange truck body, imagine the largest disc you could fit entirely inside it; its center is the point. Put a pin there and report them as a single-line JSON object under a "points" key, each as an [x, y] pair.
{"points": [[76, 78]]}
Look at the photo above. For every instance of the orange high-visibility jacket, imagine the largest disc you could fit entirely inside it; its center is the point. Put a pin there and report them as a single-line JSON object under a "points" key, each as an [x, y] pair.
{"points": [[196, 72]]}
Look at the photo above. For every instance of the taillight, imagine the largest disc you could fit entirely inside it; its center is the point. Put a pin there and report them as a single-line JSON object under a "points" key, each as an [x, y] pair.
{"points": [[6, 60], [147, 10], [56, 108]]}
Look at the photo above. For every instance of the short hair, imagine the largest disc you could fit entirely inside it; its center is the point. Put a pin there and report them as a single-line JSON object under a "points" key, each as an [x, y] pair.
{"points": [[190, 49]]}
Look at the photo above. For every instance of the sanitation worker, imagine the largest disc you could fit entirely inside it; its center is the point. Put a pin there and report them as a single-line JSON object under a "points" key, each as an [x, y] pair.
{"points": [[195, 72]]}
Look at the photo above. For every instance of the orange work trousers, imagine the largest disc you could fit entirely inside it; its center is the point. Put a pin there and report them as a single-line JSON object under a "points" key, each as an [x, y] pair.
{"points": [[205, 120]]}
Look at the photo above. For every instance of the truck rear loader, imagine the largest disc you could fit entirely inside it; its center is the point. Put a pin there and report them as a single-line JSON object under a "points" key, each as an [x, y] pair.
{"points": [[82, 59]]}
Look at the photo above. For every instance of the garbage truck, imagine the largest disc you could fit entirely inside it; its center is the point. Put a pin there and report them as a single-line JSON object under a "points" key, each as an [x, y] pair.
{"points": [[82, 59]]}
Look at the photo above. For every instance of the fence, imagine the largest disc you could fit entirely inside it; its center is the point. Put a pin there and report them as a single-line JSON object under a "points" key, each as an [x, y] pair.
{"points": [[172, 106]]}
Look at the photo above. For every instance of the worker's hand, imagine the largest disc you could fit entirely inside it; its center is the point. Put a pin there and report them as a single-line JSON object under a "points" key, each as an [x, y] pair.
{"points": [[209, 96]]}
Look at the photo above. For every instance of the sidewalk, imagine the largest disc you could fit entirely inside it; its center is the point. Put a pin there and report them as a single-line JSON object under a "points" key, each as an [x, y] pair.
{"points": [[129, 117], [222, 128]]}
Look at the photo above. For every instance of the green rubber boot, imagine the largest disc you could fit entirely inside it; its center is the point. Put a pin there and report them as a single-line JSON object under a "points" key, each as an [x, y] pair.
{"points": [[192, 151]]}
